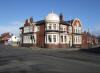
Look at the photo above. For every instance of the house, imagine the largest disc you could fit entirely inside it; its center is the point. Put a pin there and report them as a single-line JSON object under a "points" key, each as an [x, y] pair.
{"points": [[4, 38], [52, 32], [13, 41]]}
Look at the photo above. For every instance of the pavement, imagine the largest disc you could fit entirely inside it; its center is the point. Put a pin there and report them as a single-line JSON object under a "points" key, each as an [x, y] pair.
{"points": [[39, 60]]}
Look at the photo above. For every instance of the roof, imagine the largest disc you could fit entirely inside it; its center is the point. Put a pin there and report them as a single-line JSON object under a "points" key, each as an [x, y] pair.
{"points": [[0, 36], [52, 17], [40, 22], [21, 27], [69, 23]]}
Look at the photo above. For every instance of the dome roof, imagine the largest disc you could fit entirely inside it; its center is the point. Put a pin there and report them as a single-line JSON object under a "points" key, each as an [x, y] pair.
{"points": [[52, 17]]}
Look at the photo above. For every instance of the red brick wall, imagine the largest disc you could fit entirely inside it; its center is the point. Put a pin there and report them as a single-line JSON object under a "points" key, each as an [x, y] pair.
{"points": [[77, 45], [28, 45], [56, 46], [41, 36], [84, 40]]}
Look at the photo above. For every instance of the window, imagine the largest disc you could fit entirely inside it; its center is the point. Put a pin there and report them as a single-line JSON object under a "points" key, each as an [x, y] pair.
{"points": [[61, 28], [65, 38], [26, 29], [49, 26], [77, 24], [61, 38], [79, 31], [31, 28], [54, 26], [49, 38], [69, 30], [54, 38], [64, 29], [38, 28]]}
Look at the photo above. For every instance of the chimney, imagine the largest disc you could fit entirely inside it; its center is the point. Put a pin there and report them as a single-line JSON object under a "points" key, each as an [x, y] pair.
{"points": [[31, 20], [26, 22], [61, 17]]}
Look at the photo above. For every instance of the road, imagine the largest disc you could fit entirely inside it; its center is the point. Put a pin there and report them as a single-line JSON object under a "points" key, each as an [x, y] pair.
{"points": [[26, 60]]}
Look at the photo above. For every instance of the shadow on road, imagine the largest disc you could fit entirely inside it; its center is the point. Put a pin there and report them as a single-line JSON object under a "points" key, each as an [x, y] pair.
{"points": [[95, 50]]}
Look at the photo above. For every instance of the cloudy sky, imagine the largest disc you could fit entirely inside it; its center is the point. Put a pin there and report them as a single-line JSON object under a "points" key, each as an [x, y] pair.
{"points": [[14, 12]]}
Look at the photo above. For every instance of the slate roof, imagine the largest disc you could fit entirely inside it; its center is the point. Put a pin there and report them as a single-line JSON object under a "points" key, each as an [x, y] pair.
{"points": [[40, 22], [0, 36], [21, 27], [69, 23]]}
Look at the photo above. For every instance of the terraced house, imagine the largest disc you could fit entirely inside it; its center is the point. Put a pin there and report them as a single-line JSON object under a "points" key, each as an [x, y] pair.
{"points": [[52, 32]]}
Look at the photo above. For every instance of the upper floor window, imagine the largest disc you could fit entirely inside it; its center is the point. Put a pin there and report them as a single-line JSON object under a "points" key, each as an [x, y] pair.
{"points": [[62, 28], [49, 26], [31, 28], [70, 30], [77, 24], [74, 30], [38, 28], [54, 26], [77, 30], [26, 29]]}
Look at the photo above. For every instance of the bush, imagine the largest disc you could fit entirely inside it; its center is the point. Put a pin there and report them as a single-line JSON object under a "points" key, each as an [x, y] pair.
{"points": [[2, 41]]}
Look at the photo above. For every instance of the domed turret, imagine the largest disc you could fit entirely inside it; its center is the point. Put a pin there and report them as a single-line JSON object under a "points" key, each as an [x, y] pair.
{"points": [[52, 17]]}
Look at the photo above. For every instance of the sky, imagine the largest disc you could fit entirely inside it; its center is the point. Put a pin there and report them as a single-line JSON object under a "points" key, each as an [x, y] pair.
{"points": [[14, 12]]}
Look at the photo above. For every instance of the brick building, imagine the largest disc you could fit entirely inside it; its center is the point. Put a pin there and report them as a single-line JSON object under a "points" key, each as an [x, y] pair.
{"points": [[52, 32], [89, 40]]}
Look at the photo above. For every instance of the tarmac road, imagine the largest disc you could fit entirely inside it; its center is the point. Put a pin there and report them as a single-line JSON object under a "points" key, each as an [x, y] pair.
{"points": [[25, 60]]}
